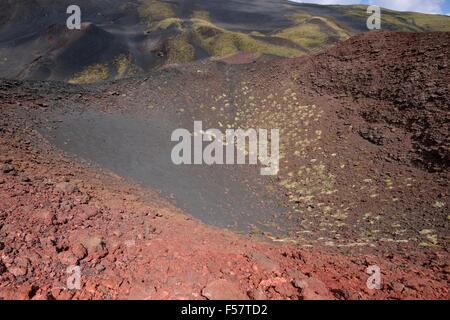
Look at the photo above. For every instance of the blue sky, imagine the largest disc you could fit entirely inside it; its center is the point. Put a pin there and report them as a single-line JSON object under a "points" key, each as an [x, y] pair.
{"points": [[427, 6]]}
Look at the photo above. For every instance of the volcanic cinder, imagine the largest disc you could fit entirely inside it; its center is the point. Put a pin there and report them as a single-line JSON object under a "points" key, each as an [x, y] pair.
{"points": [[87, 179]]}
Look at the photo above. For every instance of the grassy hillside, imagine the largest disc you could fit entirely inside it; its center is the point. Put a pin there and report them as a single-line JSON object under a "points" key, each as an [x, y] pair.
{"points": [[135, 36], [400, 21], [310, 28]]}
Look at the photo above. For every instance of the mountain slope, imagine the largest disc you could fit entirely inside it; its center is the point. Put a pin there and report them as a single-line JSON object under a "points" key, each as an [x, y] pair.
{"points": [[363, 179], [147, 34]]}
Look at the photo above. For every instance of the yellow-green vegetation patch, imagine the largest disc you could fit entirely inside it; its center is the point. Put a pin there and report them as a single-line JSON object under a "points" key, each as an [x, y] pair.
{"points": [[167, 23], [429, 22], [93, 73], [439, 204], [201, 15], [310, 181], [310, 31], [307, 183], [392, 20], [411, 21], [426, 231], [155, 10], [220, 42], [179, 50], [248, 44], [124, 66], [121, 64], [431, 238], [402, 21], [257, 34]]}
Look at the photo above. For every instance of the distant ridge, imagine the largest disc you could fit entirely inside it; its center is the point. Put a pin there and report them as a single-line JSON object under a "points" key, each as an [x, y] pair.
{"points": [[124, 38]]}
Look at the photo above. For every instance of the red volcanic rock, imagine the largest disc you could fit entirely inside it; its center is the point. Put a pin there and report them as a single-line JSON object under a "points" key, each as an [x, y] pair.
{"points": [[264, 262], [395, 113], [79, 251], [88, 212], [2, 267], [20, 267], [66, 187], [46, 216], [223, 290], [313, 289], [67, 258], [6, 168]]}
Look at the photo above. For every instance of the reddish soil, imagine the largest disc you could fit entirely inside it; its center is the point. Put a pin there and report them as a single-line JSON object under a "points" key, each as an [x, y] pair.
{"points": [[132, 244]]}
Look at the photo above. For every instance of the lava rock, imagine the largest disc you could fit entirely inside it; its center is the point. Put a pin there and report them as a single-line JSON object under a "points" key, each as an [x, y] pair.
{"points": [[46, 216], [79, 251], [66, 187], [6, 168], [223, 290], [264, 262], [2, 267], [68, 258], [313, 289]]}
